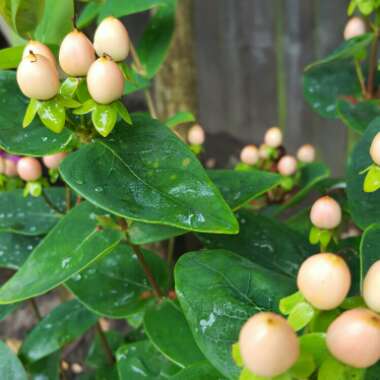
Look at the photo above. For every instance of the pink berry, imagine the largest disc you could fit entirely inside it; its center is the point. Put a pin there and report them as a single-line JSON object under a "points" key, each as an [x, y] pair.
{"points": [[268, 345], [2, 165], [306, 153], [326, 213], [273, 137], [355, 27], [287, 165], [354, 338], [196, 135], [249, 155], [324, 280], [371, 287], [375, 149], [54, 160], [10, 168], [29, 169], [37, 47]]}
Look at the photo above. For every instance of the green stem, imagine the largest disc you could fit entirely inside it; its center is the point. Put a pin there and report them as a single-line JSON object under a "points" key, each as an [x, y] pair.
{"points": [[360, 75], [105, 344], [35, 308], [373, 66]]}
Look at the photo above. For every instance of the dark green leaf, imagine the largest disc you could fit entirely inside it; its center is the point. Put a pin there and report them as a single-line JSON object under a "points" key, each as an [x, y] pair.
{"points": [[120, 8], [30, 215], [265, 242], [104, 118], [158, 179], [115, 285], [36, 140], [144, 233], [64, 324], [369, 248], [73, 244], [159, 323], [47, 368], [199, 371], [89, 14], [52, 114], [26, 14], [372, 373], [10, 57], [180, 118], [141, 361], [10, 367], [135, 81], [5, 310], [218, 292]]}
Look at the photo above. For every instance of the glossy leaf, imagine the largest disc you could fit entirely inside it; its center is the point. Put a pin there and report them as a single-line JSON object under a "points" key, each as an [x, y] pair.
{"points": [[15, 249], [160, 321], [73, 244], [266, 242], [358, 116], [104, 118], [315, 344], [89, 14], [52, 114], [332, 369], [301, 315], [135, 82], [369, 248], [10, 366], [29, 215], [144, 233], [26, 14], [141, 361], [47, 368], [361, 204], [199, 371], [165, 186], [64, 324], [372, 179], [11, 57], [115, 285], [69, 86], [122, 112], [31, 112], [36, 140], [218, 291], [120, 8], [179, 119], [5, 310]]}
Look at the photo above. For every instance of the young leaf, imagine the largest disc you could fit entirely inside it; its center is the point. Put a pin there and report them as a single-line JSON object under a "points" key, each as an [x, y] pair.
{"points": [[48, 368], [104, 118], [89, 14], [10, 366], [372, 179], [180, 118], [122, 112], [287, 304], [301, 315], [69, 86], [88, 106], [236, 355], [304, 366], [31, 112], [26, 14], [11, 57], [53, 114], [315, 344]]}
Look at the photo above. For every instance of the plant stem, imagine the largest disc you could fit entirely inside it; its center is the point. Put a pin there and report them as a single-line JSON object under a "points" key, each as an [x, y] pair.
{"points": [[35, 308], [140, 68], [171, 245], [359, 73], [373, 66], [50, 203], [68, 194], [105, 344]]}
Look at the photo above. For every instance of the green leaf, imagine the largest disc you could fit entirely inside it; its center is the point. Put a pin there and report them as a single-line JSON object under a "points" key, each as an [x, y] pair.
{"points": [[31, 112], [165, 186], [73, 244], [301, 315], [227, 291], [372, 179], [69, 86], [372, 373], [15, 248], [61, 326], [304, 366], [323, 320], [331, 369], [141, 361], [119, 8], [33, 141], [26, 15], [122, 111], [153, 47], [160, 321], [89, 14], [199, 371], [11, 57], [47, 368], [52, 114], [88, 106], [266, 242], [10, 366], [369, 249], [361, 204], [315, 344], [135, 82], [104, 118], [115, 285], [56, 21], [358, 116], [30, 216], [144, 233], [236, 355], [180, 118], [288, 303], [5, 310]]}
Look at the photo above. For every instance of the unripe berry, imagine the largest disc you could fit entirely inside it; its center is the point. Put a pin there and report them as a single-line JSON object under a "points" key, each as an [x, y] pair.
{"points": [[29, 169], [324, 280], [354, 338], [355, 27], [273, 137], [268, 345], [249, 155], [371, 286], [37, 47], [374, 151], [76, 54], [263, 151], [10, 168], [306, 153], [326, 213], [287, 165], [54, 160], [196, 135], [111, 38], [37, 77], [105, 81]]}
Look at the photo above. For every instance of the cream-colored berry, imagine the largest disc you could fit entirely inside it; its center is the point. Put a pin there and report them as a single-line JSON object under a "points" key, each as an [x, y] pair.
{"points": [[37, 47], [287, 165], [268, 345], [324, 280], [54, 160], [375, 149], [10, 167], [111, 38], [196, 135], [29, 169], [37, 77], [249, 155], [355, 27], [326, 213], [273, 137], [306, 153], [105, 81], [76, 54], [354, 338], [371, 287]]}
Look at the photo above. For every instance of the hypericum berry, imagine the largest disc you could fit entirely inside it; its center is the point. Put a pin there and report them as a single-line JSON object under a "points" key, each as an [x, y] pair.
{"points": [[37, 47], [54, 160], [374, 151], [37, 77], [355, 27], [249, 155], [371, 286], [324, 280], [354, 338], [273, 137], [2, 165], [287, 165], [10, 165], [76, 54], [111, 38], [268, 345], [196, 135], [105, 81], [306, 153], [29, 168], [326, 213], [264, 151]]}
